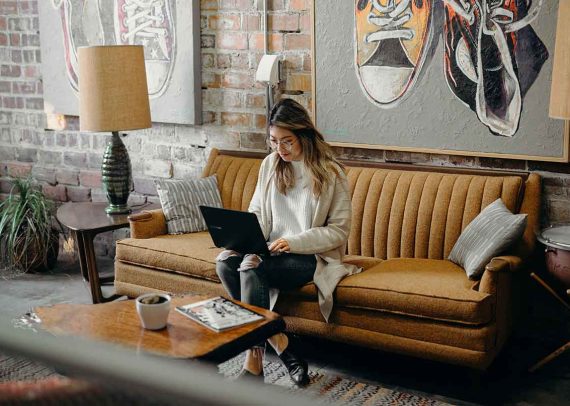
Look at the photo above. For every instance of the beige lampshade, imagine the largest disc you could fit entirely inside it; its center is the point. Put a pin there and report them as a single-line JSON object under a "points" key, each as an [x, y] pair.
{"points": [[113, 93], [560, 92]]}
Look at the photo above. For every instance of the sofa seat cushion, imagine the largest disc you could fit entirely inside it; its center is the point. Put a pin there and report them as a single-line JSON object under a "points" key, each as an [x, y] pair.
{"points": [[426, 288], [192, 254], [433, 289], [361, 261]]}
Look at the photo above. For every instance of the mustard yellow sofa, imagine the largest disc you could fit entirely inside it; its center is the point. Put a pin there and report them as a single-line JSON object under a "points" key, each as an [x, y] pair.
{"points": [[409, 299]]}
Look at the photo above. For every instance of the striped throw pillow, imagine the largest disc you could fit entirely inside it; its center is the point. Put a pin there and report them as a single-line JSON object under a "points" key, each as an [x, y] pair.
{"points": [[489, 234], [180, 200]]}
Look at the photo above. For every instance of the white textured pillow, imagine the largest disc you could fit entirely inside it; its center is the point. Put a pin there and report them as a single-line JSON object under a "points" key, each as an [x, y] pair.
{"points": [[180, 200], [489, 234]]}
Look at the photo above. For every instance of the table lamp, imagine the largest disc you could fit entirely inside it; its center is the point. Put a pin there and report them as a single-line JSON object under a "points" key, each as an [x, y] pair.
{"points": [[113, 96], [560, 91]]}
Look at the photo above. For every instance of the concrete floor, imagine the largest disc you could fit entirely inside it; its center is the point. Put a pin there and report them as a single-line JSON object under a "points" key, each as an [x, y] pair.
{"points": [[507, 382]]}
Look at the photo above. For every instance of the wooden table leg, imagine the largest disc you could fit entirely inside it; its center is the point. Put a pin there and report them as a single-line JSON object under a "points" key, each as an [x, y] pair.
{"points": [[89, 259], [81, 250], [550, 357], [550, 290], [88, 253], [564, 303]]}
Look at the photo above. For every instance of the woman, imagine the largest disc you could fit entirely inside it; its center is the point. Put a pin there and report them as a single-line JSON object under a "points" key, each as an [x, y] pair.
{"points": [[302, 202]]}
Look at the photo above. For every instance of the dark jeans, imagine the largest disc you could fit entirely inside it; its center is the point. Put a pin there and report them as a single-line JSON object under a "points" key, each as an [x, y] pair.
{"points": [[284, 272]]}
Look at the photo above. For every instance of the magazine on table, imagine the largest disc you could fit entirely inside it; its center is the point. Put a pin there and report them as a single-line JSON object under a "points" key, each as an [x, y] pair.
{"points": [[219, 313]]}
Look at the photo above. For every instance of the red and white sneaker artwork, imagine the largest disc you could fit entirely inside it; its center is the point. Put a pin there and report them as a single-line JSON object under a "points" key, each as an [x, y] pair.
{"points": [[150, 23], [71, 14], [492, 57]]}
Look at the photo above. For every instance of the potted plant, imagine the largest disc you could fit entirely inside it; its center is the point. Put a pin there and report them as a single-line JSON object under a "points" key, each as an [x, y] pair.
{"points": [[28, 237]]}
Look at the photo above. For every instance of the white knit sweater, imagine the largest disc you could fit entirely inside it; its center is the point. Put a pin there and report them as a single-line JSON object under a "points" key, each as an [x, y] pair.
{"points": [[326, 238], [295, 209]]}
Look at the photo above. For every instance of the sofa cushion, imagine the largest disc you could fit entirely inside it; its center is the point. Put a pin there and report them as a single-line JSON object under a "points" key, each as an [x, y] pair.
{"points": [[427, 288], [180, 200], [193, 254], [432, 289], [361, 261], [134, 280], [489, 234]]}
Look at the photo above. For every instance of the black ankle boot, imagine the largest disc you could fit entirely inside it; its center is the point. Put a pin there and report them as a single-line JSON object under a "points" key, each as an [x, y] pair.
{"points": [[296, 366]]}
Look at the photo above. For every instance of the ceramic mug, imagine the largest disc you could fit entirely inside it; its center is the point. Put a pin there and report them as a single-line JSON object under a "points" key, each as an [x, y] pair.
{"points": [[153, 316]]}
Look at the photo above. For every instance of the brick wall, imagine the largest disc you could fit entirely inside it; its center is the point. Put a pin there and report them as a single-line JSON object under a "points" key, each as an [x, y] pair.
{"points": [[66, 162]]}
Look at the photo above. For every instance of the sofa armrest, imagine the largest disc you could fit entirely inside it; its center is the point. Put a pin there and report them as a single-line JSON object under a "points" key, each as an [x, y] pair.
{"points": [[497, 266], [147, 224], [507, 263]]}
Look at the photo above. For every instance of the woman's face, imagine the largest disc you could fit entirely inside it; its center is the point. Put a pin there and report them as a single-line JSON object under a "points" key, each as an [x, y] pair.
{"points": [[286, 143]]}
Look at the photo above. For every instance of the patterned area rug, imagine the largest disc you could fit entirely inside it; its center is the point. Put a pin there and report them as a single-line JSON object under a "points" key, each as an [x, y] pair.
{"points": [[329, 388], [28, 383], [20, 369], [25, 382]]}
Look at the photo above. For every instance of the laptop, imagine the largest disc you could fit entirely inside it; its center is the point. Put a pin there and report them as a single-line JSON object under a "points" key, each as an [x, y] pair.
{"points": [[235, 230]]}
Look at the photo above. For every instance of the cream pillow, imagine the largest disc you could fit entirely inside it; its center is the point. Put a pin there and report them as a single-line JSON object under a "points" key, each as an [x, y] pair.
{"points": [[489, 234]]}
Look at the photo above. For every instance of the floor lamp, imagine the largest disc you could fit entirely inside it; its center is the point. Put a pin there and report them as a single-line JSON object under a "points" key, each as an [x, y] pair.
{"points": [[113, 97]]}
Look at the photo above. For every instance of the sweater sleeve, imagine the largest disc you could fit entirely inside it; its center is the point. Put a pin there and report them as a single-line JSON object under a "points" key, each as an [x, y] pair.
{"points": [[336, 229]]}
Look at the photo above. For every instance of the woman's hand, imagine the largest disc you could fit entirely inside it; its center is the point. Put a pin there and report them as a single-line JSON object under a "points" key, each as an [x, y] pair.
{"points": [[280, 245]]}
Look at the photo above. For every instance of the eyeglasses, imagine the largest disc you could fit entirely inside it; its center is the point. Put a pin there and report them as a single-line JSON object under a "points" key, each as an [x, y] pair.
{"points": [[287, 145]]}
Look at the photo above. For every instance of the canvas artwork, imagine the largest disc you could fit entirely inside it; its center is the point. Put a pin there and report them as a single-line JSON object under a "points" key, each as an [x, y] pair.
{"points": [[492, 57], [481, 67], [167, 29], [392, 41]]}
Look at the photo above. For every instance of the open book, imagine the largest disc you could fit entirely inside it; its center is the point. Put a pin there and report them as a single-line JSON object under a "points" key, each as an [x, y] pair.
{"points": [[219, 313]]}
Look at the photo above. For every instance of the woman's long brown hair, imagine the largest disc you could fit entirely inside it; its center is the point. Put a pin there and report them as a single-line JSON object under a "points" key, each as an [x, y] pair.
{"points": [[317, 154]]}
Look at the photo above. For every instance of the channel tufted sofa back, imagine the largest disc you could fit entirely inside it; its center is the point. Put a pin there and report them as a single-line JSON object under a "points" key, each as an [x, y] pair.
{"points": [[237, 177], [398, 213], [402, 214]]}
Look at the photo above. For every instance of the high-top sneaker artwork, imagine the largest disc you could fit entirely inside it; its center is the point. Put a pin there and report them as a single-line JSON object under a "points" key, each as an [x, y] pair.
{"points": [[392, 41], [484, 41], [149, 23]]}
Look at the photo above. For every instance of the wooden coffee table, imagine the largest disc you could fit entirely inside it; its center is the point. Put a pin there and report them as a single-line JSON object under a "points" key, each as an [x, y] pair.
{"points": [[118, 322]]}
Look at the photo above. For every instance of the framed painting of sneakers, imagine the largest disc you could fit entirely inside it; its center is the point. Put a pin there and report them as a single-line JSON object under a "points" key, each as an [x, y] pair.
{"points": [[459, 77], [172, 65]]}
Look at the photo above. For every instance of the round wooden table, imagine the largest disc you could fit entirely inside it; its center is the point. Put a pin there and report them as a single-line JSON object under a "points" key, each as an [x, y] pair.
{"points": [[85, 220]]}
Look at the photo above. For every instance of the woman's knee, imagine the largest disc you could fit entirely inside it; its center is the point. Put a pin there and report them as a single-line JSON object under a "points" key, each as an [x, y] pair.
{"points": [[253, 287], [251, 278], [227, 267]]}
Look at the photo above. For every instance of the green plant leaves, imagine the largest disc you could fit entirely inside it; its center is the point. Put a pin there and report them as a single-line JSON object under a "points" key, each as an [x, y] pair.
{"points": [[26, 229]]}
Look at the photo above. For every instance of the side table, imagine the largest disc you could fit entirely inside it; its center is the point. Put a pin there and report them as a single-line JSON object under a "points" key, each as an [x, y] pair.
{"points": [[564, 303], [85, 220]]}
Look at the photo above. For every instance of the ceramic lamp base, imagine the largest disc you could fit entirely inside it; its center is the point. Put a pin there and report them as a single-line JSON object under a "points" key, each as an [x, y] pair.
{"points": [[117, 209], [116, 175]]}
